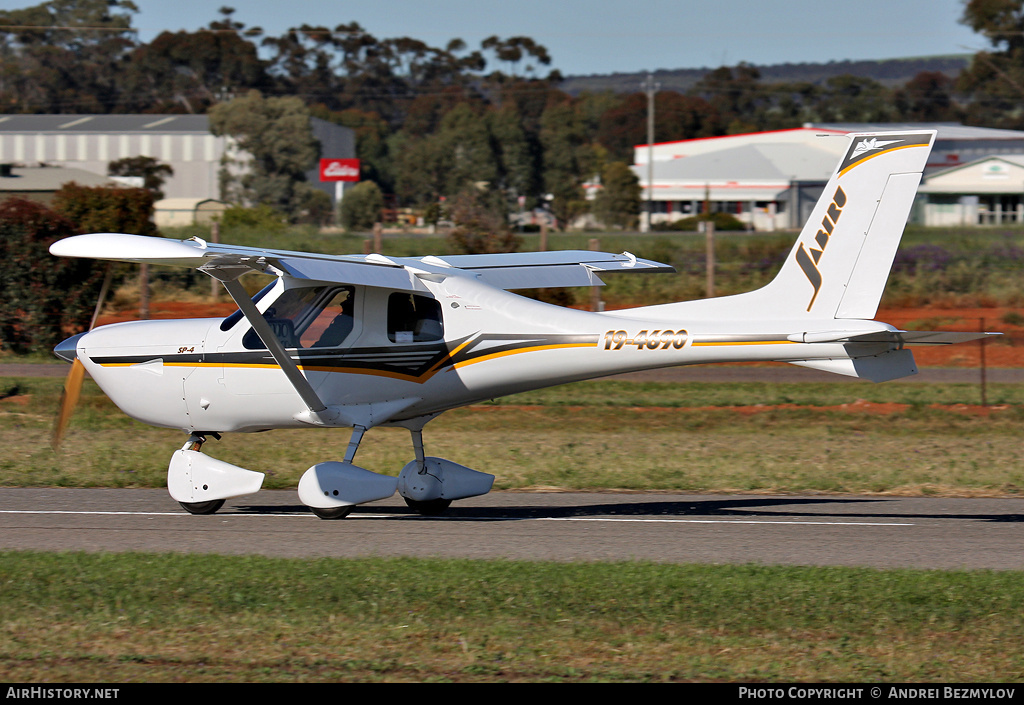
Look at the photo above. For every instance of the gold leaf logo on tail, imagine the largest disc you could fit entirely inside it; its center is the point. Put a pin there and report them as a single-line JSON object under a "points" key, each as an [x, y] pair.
{"points": [[870, 145], [809, 261]]}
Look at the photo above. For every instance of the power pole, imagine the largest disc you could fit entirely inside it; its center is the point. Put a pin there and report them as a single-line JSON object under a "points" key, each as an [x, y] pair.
{"points": [[649, 87], [214, 237], [144, 292], [595, 291], [709, 255], [709, 241]]}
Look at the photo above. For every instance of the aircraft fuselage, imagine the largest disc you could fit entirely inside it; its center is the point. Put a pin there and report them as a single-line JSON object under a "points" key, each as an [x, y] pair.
{"points": [[399, 357]]}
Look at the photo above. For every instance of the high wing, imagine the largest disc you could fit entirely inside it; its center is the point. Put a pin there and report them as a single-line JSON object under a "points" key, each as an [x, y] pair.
{"points": [[506, 271], [227, 263]]}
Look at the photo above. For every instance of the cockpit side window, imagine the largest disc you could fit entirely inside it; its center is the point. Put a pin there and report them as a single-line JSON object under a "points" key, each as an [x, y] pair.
{"points": [[414, 319], [332, 323], [310, 317]]}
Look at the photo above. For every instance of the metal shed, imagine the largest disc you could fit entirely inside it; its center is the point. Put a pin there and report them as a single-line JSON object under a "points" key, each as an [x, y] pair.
{"points": [[184, 142], [179, 212]]}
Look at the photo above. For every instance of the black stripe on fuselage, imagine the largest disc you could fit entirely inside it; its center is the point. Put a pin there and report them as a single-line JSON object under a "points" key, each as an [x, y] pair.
{"points": [[418, 362]]}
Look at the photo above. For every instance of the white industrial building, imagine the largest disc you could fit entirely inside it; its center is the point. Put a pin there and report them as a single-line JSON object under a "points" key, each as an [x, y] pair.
{"points": [[771, 180], [989, 191], [184, 142]]}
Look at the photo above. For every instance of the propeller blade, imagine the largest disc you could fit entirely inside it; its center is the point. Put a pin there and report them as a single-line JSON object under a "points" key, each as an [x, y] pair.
{"points": [[68, 400], [76, 375], [103, 294]]}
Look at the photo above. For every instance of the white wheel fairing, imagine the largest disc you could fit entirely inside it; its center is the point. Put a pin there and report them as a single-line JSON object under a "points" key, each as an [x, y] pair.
{"points": [[194, 477], [443, 479], [337, 484]]}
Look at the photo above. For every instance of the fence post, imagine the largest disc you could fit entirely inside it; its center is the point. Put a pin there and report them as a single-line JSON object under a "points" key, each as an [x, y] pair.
{"points": [[981, 345], [709, 255]]}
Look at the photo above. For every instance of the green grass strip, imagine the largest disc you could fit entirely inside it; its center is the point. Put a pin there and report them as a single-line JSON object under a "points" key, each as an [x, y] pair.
{"points": [[133, 617]]}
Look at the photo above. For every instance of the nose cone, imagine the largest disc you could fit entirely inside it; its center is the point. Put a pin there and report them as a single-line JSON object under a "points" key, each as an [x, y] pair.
{"points": [[68, 349]]}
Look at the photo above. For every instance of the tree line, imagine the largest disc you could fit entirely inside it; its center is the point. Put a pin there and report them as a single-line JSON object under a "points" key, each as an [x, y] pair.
{"points": [[432, 121]]}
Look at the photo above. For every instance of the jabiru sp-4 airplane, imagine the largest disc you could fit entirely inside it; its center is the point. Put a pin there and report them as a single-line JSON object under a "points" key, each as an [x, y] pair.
{"points": [[365, 341]]}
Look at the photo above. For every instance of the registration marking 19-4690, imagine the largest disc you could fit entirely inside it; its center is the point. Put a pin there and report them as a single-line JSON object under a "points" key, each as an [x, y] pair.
{"points": [[645, 340]]}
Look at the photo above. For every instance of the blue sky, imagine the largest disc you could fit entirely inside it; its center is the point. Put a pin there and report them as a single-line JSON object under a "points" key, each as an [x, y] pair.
{"points": [[607, 36]]}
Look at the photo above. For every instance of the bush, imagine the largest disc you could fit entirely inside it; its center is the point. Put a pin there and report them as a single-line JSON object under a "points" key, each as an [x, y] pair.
{"points": [[261, 217], [361, 206], [316, 206], [481, 225], [722, 221], [434, 213], [921, 258], [98, 209], [43, 299], [618, 203]]}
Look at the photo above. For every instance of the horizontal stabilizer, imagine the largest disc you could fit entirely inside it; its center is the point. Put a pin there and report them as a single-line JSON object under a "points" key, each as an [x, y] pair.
{"points": [[939, 337], [877, 368], [894, 337]]}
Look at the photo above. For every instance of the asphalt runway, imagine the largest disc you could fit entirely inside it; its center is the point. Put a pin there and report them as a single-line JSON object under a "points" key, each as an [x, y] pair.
{"points": [[883, 532]]}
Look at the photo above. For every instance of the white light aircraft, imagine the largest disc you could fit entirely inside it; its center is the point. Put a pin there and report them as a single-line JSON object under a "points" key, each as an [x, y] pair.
{"points": [[365, 341]]}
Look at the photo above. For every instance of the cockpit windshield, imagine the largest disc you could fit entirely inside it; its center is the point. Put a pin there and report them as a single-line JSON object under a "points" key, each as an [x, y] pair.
{"points": [[309, 317], [229, 322]]}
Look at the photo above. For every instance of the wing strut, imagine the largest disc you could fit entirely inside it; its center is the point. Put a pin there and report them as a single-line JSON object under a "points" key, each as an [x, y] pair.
{"points": [[263, 329]]}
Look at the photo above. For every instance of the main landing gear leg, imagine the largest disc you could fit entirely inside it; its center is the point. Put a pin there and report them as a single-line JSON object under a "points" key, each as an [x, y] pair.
{"points": [[430, 507], [350, 455]]}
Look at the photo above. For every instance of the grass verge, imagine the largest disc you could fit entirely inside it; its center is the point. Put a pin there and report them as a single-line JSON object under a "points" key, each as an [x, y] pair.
{"points": [[155, 618]]}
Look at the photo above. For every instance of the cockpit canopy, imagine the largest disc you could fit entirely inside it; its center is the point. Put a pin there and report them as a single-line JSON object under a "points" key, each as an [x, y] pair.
{"points": [[324, 317]]}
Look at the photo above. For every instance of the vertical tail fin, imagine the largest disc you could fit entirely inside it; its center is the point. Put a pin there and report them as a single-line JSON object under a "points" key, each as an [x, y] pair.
{"points": [[841, 260], [840, 263]]}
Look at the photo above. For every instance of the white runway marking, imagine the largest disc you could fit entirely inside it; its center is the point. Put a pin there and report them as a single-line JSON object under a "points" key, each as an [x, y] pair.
{"points": [[731, 521], [62, 511], [798, 522]]}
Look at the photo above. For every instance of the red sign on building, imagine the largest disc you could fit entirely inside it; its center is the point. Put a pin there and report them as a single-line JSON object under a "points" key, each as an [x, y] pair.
{"points": [[339, 170]]}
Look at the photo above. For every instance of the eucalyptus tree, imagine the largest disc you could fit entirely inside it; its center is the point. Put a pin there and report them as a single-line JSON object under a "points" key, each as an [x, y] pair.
{"points": [[275, 148], [64, 56], [994, 81]]}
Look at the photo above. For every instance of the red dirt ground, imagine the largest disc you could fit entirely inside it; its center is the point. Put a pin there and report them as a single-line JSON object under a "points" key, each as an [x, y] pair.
{"points": [[1006, 351], [861, 406]]}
